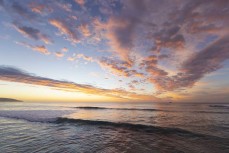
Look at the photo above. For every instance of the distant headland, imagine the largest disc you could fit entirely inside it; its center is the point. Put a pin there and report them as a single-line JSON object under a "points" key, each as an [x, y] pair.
{"points": [[9, 100]]}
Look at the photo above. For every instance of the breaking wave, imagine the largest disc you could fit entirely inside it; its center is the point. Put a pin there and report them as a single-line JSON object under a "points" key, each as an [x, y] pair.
{"points": [[144, 109], [95, 108], [220, 106]]}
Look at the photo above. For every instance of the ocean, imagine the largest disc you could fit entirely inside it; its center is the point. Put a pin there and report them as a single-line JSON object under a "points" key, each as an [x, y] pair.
{"points": [[27, 127]]}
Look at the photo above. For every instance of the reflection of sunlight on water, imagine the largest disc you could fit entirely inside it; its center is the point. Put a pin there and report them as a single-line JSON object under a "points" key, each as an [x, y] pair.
{"points": [[127, 116]]}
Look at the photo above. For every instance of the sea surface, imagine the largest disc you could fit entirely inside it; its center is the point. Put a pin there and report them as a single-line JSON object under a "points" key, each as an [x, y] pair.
{"points": [[113, 127]]}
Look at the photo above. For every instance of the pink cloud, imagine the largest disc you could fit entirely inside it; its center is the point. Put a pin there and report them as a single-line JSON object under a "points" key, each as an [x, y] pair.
{"points": [[118, 68], [65, 29], [80, 2]]}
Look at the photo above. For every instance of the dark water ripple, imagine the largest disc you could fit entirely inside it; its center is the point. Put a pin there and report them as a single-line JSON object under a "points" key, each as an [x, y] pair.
{"points": [[135, 127], [86, 136]]}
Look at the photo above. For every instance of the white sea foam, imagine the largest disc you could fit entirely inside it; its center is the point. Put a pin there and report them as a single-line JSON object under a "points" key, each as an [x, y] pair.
{"points": [[36, 115]]}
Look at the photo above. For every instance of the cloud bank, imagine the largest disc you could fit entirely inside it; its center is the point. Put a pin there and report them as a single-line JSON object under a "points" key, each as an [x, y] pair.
{"points": [[11, 74]]}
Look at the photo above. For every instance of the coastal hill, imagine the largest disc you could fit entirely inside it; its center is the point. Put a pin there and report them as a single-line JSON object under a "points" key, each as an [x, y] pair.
{"points": [[9, 100]]}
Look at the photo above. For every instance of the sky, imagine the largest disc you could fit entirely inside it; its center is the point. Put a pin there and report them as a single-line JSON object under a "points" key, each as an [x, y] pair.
{"points": [[114, 50]]}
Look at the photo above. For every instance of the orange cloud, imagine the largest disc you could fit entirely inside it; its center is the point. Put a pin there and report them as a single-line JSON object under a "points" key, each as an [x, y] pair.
{"points": [[59, 54], [81, 56], [39, 48], [119, 37], [85, 30], [37, 8], [64, 49]]}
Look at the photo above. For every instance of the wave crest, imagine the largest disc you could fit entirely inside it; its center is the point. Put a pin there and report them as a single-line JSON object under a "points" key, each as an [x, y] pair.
{"points": [[129, 126]]}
